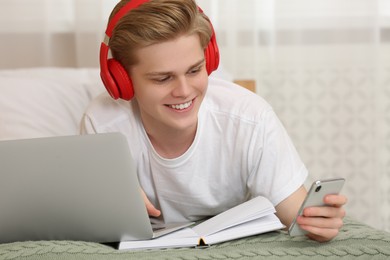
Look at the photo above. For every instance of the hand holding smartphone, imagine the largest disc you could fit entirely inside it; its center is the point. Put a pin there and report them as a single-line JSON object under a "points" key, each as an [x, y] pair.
{"points": [[315, 197]]}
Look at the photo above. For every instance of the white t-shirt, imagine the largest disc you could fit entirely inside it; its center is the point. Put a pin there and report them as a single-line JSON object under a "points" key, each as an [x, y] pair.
{"points": [[241, 150]]}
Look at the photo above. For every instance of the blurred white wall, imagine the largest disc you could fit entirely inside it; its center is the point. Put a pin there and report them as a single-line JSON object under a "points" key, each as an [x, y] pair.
{"points": [[324, 65]]}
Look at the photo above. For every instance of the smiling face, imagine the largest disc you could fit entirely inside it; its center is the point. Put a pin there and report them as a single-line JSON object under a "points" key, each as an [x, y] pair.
{"points": [[170, 81]]}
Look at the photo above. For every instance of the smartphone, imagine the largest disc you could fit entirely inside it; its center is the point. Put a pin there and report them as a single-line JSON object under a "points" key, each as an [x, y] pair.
{"points": [[315, 197]]}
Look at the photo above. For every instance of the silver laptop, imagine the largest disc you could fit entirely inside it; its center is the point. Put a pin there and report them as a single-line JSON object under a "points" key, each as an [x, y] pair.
{"points": [[72, 188]]}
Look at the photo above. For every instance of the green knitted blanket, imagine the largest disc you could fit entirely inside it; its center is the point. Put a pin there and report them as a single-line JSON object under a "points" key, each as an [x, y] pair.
{"points": [[355, 241]]}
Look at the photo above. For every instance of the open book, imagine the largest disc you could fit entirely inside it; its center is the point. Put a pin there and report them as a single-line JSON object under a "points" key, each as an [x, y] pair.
{"points": [[250, 218]]}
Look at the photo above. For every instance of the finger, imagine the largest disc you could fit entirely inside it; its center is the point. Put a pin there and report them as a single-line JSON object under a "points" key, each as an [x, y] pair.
{"points": [[320, 222], [325, 211], [336, 200], [150, 208], [320, 238], [320, 234], [152, 211]]}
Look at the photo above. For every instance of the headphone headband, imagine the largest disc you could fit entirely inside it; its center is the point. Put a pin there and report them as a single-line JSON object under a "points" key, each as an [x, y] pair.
{"points": [[132, 4]]}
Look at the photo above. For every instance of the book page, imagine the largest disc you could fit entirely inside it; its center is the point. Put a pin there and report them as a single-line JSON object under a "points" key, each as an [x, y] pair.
{"points": [[182, 238], [247, 211], [258, 226]]}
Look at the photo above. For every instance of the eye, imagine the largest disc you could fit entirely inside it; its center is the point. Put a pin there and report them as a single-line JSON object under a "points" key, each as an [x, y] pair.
{"points": [[160, 80], [195, 70]]}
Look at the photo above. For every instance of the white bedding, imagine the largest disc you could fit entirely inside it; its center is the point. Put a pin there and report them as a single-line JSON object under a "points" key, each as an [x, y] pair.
{"points": [[42, 102]]}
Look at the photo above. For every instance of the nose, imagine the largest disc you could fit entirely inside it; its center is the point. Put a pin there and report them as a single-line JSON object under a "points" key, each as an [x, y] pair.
{"points": [[182, 87]]}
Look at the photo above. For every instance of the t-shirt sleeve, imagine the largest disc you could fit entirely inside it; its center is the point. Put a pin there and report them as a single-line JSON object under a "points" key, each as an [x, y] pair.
{"points": [[100, 113], [277, 170], [86, 125]]}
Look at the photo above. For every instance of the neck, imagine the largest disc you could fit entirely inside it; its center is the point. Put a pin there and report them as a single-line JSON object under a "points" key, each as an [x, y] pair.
{"points": [[170, 143]]}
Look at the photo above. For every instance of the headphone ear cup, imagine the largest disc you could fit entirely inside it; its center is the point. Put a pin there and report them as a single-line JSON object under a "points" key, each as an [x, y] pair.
{"points": [[123, 84], [209, 60], [212, 55]]}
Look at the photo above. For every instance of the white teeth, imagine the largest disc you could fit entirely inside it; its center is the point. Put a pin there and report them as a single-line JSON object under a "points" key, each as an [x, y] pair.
{"points": [[181, 106]]}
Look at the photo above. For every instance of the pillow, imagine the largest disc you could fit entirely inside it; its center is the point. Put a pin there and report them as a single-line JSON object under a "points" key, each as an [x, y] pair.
{"points": [[44, 102]]}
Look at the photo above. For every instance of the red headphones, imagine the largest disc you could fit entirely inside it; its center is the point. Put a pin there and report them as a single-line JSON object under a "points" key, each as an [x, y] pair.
{"points": [[114, 76]]}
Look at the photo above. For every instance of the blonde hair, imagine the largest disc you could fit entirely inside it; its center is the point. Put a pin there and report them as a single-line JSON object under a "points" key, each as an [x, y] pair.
{"points": [[153, 22]]}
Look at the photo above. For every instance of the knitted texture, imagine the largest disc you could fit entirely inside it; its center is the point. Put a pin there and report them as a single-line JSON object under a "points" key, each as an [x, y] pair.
{"points": [[355, 241]]}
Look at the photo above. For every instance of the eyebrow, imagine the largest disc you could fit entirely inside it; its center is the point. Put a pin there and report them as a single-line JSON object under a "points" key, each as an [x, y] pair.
{"points": [[151, 74]]}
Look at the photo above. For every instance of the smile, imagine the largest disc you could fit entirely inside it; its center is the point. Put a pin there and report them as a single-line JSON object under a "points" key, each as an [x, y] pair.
{"points": [[181, 106]]}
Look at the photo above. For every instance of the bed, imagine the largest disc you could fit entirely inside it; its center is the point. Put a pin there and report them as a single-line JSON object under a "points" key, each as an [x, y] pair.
{"points": [[42, 102]]}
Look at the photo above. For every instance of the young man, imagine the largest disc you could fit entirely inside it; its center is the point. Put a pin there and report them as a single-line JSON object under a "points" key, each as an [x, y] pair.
{"points": [[201, 145]]}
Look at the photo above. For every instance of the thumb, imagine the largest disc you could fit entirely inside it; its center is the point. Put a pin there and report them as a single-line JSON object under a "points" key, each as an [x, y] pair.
{"points": [[150, 208]]}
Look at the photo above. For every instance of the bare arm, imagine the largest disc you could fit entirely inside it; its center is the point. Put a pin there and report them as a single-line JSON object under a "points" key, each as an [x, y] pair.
{"points": [[288, 208]]}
